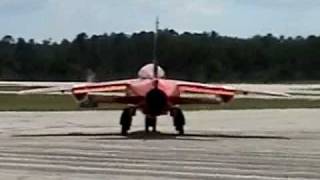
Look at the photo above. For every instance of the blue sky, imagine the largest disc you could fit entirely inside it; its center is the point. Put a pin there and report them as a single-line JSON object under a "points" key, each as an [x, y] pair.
{"points": [[58, 19]]}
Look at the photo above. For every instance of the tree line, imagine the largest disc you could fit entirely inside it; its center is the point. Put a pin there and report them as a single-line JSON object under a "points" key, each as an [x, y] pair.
{"points": [[205, 57]]}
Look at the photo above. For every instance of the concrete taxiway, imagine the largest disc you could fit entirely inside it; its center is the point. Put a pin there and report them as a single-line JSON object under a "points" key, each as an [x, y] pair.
{"points": [[241, 144]]}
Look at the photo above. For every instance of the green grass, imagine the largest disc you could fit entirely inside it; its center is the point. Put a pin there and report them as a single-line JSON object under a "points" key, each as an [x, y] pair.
{"points": [[304, 94], [36, 102], [66, 103], [247, 103]]}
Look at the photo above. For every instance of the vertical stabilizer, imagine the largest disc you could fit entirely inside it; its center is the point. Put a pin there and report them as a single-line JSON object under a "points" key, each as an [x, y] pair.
{"points": [[155, 42]]}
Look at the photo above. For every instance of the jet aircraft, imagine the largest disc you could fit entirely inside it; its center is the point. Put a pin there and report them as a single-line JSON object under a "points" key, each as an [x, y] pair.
{"points": [[151, 93]]}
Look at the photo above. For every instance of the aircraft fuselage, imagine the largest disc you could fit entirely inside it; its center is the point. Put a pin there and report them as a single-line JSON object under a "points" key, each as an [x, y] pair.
{"points": [[156, 95]]}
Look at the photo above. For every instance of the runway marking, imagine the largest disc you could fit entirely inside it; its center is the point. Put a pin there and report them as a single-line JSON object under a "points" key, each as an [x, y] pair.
{"points": [[237, 164], [166, 155], [147, 160], [251, 152], [141, 172]]}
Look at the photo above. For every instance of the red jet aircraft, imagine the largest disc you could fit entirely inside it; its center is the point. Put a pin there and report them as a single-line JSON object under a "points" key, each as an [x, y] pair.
{"points": [[150, 92]]}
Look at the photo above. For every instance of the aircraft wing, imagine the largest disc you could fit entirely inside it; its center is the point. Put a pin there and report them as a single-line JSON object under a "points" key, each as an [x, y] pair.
{"points": [[102, 87], [220, 90], [263, 93], [67, 87], [35, 84], [20, 87]]}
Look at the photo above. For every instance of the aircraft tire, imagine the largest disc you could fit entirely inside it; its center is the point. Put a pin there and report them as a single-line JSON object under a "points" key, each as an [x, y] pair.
{"points": [[178, 120], [126, 120], [124, 131], [146, 125], [150, 122], [180, 130]]}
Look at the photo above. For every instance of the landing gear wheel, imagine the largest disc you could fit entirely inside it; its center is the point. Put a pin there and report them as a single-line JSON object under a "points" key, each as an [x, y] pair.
{"points": [[180, 130], [126, 120], [178, 120], [150, 121], [124, 130]]}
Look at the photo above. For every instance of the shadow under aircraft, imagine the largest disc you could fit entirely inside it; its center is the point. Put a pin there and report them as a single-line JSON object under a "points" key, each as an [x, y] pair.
{"points": [[157, 135]]}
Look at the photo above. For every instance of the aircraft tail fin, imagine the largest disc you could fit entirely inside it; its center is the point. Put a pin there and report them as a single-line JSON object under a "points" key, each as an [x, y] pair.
{"points": [[155, 42]]}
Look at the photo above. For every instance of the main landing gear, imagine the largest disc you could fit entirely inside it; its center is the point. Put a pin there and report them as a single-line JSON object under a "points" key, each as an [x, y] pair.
{"points": [[151, 121], [178, 119], [126, 119]]}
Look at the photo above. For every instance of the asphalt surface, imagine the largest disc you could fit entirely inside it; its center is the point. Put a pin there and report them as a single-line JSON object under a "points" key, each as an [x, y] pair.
{"points": [[242, 144]]}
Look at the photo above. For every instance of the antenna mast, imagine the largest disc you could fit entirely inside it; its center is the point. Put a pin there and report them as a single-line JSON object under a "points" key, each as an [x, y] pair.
{"points": [[155, 42]]}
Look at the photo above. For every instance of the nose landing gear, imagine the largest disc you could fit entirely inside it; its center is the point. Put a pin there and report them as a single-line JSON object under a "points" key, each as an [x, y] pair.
{"points": [[150, 121]]}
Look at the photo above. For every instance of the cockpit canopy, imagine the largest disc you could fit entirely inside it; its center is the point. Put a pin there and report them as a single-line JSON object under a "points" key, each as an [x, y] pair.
{"points": [[146, 72]]}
